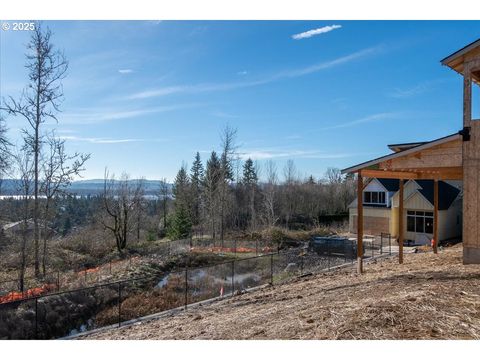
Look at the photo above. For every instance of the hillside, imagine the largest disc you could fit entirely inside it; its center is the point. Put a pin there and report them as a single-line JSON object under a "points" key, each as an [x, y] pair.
{"points": [[81, 187], [429, 297]]}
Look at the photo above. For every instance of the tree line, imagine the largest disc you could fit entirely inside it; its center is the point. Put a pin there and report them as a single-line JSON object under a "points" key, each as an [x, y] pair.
{"points": [[228, 193]]}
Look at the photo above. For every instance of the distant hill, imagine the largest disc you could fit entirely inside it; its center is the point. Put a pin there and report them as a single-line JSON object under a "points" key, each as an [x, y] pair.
{"points": [[81, 187]]}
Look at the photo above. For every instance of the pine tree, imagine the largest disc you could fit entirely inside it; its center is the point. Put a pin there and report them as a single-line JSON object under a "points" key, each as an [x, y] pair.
{"points": [[196, 179], [250, 180], [180, 226], [211, 184], [181, 188]]}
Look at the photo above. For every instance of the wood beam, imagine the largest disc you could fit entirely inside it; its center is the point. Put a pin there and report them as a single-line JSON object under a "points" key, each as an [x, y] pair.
{"points": [[456, 174], [435, 216], [387, 174], [400, 224], [360, 222]]}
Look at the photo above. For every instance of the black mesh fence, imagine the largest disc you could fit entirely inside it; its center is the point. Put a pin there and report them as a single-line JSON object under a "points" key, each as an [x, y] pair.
{"points": [[69, 312]]}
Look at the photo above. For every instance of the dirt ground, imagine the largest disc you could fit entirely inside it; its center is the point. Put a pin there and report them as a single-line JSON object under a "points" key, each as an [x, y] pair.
{"points": [[428, 297]]}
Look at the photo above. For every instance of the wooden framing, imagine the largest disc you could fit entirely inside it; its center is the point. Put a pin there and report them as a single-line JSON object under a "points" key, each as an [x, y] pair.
{"points": [[435, 216], [401, 230], [360, 223]]}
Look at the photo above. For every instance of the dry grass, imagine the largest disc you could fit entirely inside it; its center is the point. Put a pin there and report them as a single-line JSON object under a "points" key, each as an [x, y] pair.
{"points": [[428, 297]]}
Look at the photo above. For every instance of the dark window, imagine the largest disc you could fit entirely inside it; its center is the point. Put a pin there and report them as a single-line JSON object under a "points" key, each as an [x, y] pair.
{"points": [[428, 225], [411, 223], [374, 197], [419, 224], [367, 197]]}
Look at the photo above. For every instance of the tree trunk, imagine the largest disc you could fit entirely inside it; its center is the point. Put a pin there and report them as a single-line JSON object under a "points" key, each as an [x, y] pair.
{"points": [[44, 257]]}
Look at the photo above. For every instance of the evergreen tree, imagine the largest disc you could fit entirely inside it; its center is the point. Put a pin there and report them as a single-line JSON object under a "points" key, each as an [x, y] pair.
{"points": [[196, 179], [249, 173], [180, 226], [211, 184], [249, 181], [181, 188]]}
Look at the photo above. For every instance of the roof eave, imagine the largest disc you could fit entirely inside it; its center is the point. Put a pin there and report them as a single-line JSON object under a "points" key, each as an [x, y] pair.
{"points": [[412, 150]]}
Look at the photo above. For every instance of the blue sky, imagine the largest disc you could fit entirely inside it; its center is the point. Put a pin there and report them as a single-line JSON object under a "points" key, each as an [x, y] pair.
{"points": [[143, 97]]}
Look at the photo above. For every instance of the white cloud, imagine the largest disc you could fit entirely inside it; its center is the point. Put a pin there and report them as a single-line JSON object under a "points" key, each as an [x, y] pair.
{"points": [[266, 154], [92, 116], [125, 71], [243, 72], [366, 119], [314, 32], [225, 115], [410, 92], [200, 88], [106, 140]]}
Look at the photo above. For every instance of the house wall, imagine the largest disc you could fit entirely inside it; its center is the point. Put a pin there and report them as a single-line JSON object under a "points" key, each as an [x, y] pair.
{"points": [[375, 220], [450, 221]]}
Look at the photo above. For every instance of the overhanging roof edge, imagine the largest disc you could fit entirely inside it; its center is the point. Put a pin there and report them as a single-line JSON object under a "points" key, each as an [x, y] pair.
{"points": [[413, 150]]}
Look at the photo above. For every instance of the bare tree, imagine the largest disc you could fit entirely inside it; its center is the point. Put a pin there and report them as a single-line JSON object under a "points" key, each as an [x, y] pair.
{"points": [[25, 168], [121, 202], [5, 154], [39, 101], [59, 170], [227, 159], [270, 194], [164, 194], [290, 174]]}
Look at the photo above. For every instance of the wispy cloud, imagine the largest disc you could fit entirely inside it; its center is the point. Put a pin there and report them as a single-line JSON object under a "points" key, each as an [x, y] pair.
{"points": [[314, 32], [94, 140], [418, 89], [224, 115], [366, 119], [292, 73], [266, 154], [125, 71], [91, 116], [242, 73]]}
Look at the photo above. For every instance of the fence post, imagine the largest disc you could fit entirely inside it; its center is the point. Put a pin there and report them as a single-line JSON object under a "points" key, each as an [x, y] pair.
{"points": [[390, 244], [36, 318], [186, 287], [58, 280], [235, 246], [85, 275], [352, 253], [381, 243], [233, 277], [256, 247], [271, 269], [119, 304], [328, 255]]}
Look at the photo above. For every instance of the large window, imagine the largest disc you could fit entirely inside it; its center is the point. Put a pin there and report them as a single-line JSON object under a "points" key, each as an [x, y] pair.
{"points": [[374, 197], [420, 221]]}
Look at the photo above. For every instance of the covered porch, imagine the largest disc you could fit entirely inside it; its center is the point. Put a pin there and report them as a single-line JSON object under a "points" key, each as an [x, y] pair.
{"points": [[436, 160]]}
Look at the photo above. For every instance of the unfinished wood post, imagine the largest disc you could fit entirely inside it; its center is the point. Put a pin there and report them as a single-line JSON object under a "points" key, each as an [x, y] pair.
{"points": [[360, 223], [400, 223], [435, 216]]}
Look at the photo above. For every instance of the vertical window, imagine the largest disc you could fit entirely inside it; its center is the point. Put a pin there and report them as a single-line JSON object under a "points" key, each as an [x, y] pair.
{"points": [[410, 223]]}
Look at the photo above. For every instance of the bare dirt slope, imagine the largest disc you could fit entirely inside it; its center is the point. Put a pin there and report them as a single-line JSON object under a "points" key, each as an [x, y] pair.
{"points": [[429, 296]]}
